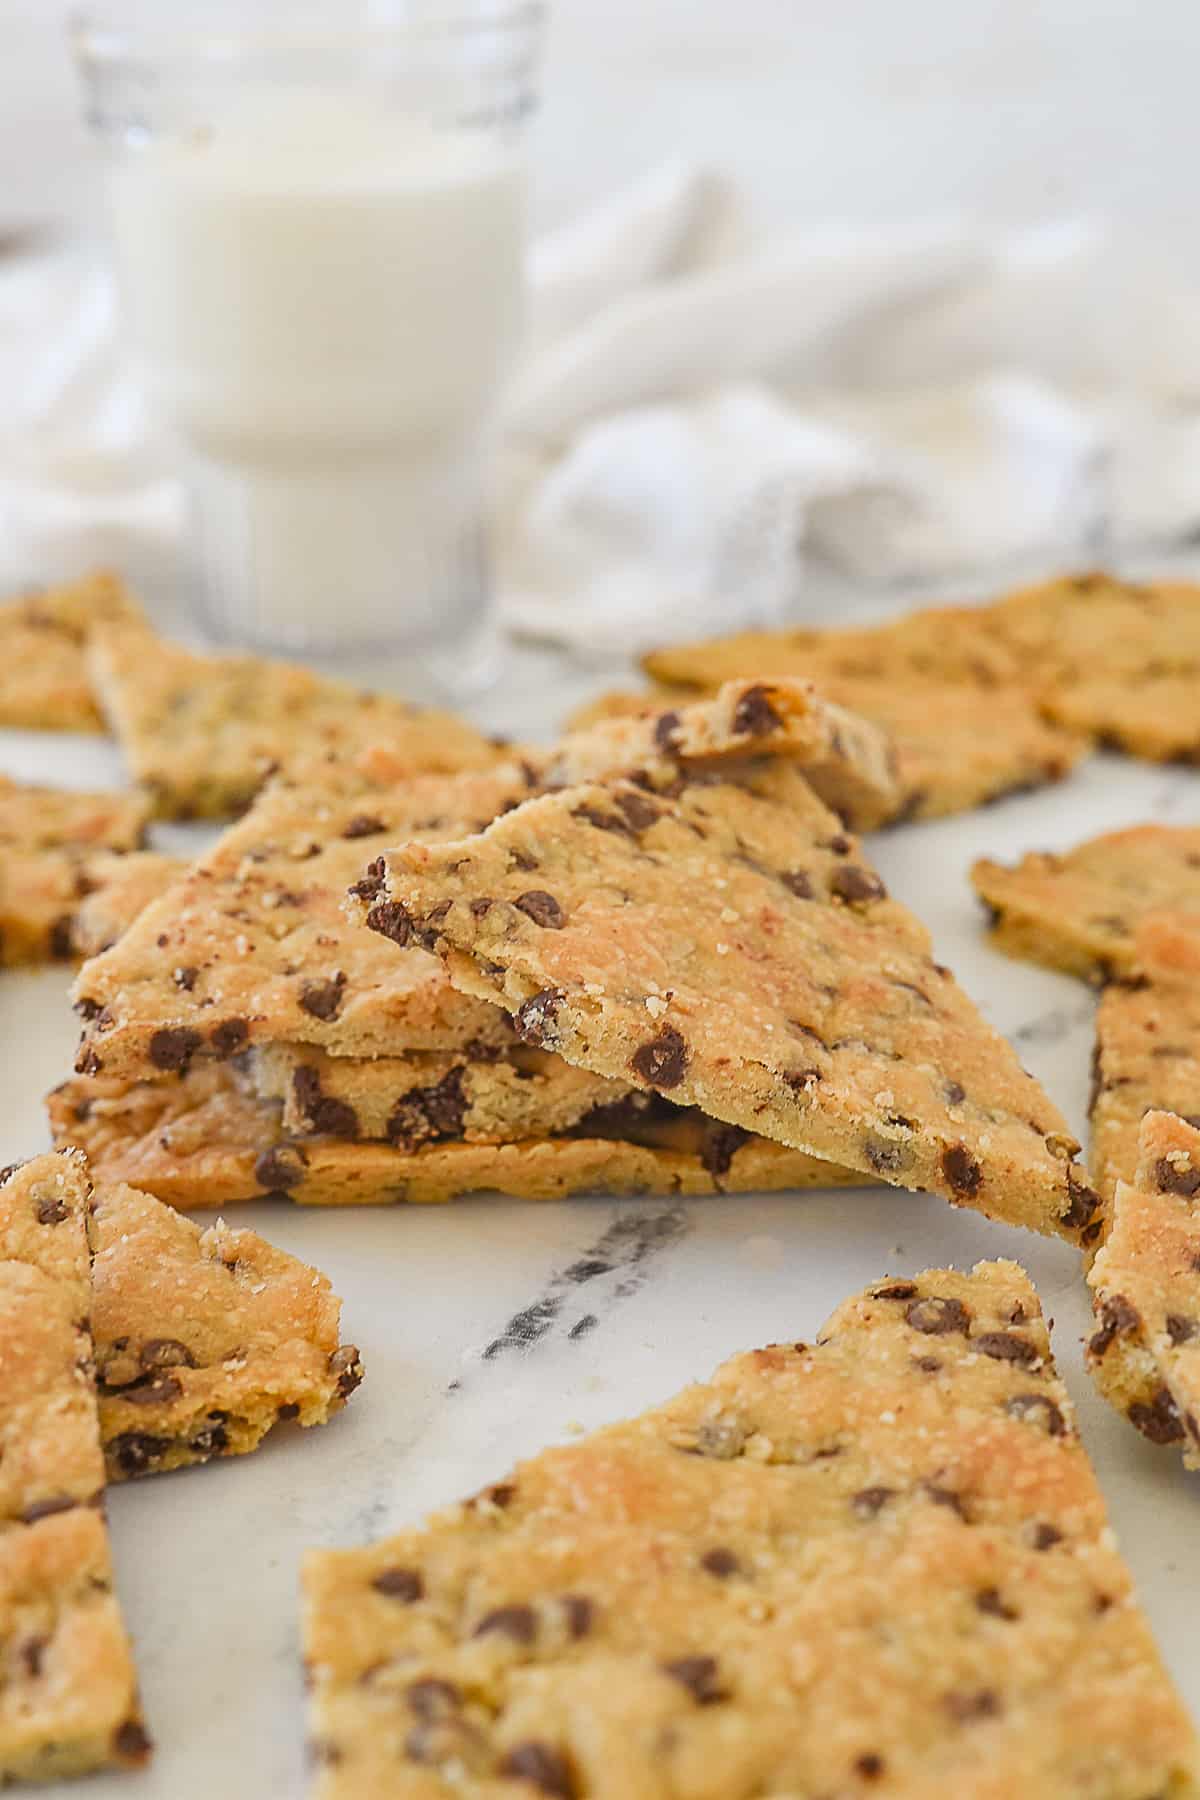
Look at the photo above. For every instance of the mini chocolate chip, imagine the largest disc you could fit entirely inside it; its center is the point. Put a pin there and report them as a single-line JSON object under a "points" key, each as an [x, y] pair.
{"points": [[663, 1060], [853, 884], [324, 1112], [871, 1500], [516, 1622], [1038, 1407], [895, 1290], [432, 1698], [373, 883], [534, 1020], [173, 1047], [364, 825], [134, 1451], [944, 1496], [928, 1365], [580, 1612], [721, 1563], [392, 919], [280, 1168], [798, 883], [955, 1093], [406, 1585], [165, 1353], [542, 908], [1116, 1316], [937, 1316], [185, 978], [964, 1708], [841, 845], [1085, 1202], [346, 1364], [666, 728], [1046, 1536], [211, 1440], [989, 1600], [1176, 1178], [1006, 1346], [961, 1170], [501, 1494], [1158, 1419], [131, 1742], [481, 907], [1180, 1329], [543, 1767], [870, 1765], [801, 1080], [323, 999], [159, 1391], [640, 813], [230, 1036], [437, 1111], [754, 715], [719, 1146], [31, 1653], [45, 1509], [51, 1210], [698, 1674], [288, 1411]]}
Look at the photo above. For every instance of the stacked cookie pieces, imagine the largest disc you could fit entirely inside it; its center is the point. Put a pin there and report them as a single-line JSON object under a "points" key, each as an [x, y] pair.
{"points": [[245, 1036], [877, 1563]]}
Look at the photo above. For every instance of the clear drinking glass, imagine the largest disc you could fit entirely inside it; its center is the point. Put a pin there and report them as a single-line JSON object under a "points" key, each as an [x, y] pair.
{"points": [[318, 218]]}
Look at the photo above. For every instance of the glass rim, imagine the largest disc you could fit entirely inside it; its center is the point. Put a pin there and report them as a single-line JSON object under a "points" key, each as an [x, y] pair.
{"points": [[98, 43]]}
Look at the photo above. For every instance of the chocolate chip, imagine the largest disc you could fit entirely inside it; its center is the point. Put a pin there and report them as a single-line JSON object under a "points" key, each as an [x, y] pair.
{"points": [[1116, 1316], [989, 1600], [1085, 1202], [345, 1364], [639, 812], [928, 1365], [580, 1612], [481, 906], [719, 1146], [1046, 1536], [721, 1563], [59, 942], [1180, 1329], [1006, 1346], [131, 1742], [280, 1168], [542, 1767], [392, 919], [871, 1500], [961, 1170], [287, 1412], [406, 1585], [212, 1439], [432, 1698], [185, 977], [870, 1766], [886, 1158], [165, 1353], [134, 1451], [45, 1509], [698, 1674], [172, 1047], [955, 1093], [542, 908], [801, 1080], [372, 883], [325, 1113], [798, 882], [160, 1390], [364, 825], [841, 845], [666, 729], [323, 999], [663, 1060], [1158, 1419], [965, 1708], [534, 1020], [230, 1036], [31, 1653], [754, 715], [51, 1210], [937, 1316], [1176, 1178], [944, 1496], [895, 1290], [436, 1111], [516, 1622], [1039, 1408], [854, 884]]}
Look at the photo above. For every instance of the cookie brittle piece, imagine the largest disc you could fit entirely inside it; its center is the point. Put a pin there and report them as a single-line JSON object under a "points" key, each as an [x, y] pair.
{"points": [[44, 684], [48, 838], [69, 1698], [1078, 627], [204, 1141], [1149, 715], [1145, 1282], [1147, 1054], [1078, 910], [878, 1564], [717, 949], [204, 1338], [252, 945], [201, 733]]}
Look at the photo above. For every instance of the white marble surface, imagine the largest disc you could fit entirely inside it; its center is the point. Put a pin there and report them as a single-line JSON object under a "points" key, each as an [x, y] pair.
{"points": [[440, 1299]]}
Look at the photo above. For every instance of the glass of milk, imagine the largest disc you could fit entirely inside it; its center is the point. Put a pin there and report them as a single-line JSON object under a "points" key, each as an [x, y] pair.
{"points": [[317, 211]]}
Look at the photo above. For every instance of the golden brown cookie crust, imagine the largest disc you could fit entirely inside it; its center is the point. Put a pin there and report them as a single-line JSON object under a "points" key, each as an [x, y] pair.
{"points": [[44, 683]]}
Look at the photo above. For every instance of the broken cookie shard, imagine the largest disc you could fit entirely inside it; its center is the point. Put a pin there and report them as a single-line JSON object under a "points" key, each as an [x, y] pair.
{"points": [[714, 947], [880, 1559]]}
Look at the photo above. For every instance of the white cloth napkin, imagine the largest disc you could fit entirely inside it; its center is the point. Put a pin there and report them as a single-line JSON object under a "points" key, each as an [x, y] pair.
{"points": [[707, 413]]}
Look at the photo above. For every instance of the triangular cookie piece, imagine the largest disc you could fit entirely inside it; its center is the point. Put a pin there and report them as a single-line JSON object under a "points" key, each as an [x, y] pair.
{"points": [[204, 1338], [717, 949], [1145, 1282], [1147, 1054], [50, 839], [1078, 910], [201, 733], [69, 1700], [877, 1564], [44, 683]]}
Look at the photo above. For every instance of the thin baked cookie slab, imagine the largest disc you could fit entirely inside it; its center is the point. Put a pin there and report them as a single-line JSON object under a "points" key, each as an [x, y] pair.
{"points": [[205, 1141], [201, 733], [205, 1339], [715, 952], [1147, 714], [1145, 1282], [48, 839], [1147, 1051], [44, 682], [879, 1564], [1078, 910], [69, 1700]]}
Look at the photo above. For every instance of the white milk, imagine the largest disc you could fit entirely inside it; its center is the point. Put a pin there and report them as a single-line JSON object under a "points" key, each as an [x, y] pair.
{"points": [[325, 296]]}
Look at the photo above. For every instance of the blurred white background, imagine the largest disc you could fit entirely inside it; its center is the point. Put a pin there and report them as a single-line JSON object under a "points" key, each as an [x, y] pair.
{"points": [[1016, 109]]}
